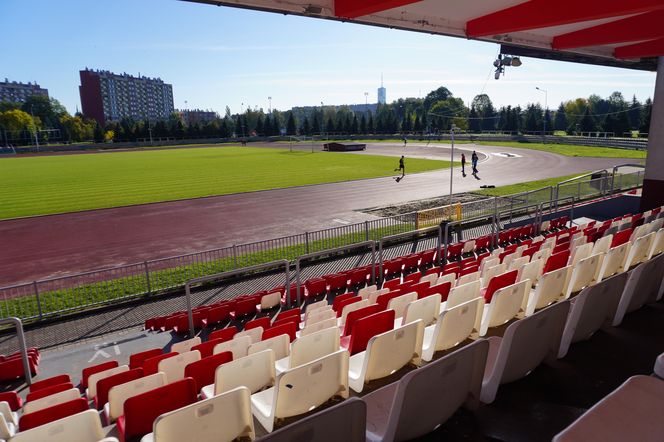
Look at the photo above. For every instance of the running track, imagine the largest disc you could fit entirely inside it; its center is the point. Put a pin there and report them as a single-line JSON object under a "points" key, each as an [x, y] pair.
{"points": [[55, 245]]}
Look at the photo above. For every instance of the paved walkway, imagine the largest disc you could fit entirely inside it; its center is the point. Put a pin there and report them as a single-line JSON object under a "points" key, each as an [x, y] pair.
{"points": [[55, 245]]}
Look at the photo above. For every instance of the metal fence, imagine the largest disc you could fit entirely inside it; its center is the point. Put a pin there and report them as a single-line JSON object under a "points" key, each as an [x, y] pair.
{"points": [[55, 296]]}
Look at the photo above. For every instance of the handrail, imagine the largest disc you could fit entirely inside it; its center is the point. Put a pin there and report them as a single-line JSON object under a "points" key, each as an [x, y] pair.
{"points": [[22, 347], [359, 245], [268, 265], [404, 234]]}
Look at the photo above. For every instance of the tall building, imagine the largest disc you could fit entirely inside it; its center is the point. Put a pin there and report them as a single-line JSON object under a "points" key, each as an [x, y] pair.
{"points": [[19, 92], [106, 96], [382, 92]]}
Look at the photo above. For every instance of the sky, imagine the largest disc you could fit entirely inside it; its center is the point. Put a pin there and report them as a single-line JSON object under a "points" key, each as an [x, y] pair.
{"points": [[219, 56]]}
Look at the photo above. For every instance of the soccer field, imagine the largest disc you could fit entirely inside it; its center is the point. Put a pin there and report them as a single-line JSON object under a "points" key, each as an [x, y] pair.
{"points": [[66, 183]]}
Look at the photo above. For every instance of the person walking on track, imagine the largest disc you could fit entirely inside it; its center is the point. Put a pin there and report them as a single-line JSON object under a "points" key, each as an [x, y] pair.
{"points": [[474, 159], [463, 164], [402, 168]]}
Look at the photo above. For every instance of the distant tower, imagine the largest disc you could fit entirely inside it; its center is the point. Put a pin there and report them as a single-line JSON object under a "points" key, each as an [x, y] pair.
{"points": [[382, 92]]}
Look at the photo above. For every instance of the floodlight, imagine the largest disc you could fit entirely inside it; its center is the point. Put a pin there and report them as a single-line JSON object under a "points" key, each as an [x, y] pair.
{"points": [[516, 61]]}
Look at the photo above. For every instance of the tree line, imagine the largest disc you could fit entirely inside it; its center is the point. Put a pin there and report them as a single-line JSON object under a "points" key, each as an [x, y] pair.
{"points": [[434, 114]]}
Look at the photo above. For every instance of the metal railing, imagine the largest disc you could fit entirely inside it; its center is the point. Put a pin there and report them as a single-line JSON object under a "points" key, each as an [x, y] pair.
{"points": [[54, 296], [18, 325]]}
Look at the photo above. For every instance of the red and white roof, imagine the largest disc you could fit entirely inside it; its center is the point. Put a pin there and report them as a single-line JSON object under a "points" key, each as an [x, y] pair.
{"points": [[617, 30]]}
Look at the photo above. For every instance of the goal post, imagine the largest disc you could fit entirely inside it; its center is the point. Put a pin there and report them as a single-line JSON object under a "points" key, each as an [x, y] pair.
{"points": [[302, 143]]}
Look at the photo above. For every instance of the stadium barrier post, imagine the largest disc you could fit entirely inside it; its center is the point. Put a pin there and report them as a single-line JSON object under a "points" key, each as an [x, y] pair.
{"points": [[373, 262], [22, 347], [39, 309], [440, 245], [234, 256], [306, 242], [147, 276]]}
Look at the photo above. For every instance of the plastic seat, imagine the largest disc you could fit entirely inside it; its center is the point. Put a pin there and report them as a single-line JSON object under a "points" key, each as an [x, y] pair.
{"points": [[269, 301], [506, 304], [279, 344], [185, 346], [216, 315], [642, 287], [238, 346], [136, 360], [318, 326], [150, 365], [313, 306], [556, 261], [657, 246], [497, 283], [226, 334], [454, 325], [368, 327], [630, 412], [287, 314], [301, 389], [244, 307], [253, 333], [315, 287], [425, 309], [491, 272], [49, 382], [425, 398], [639, 251], [80, 427], [295, 320], [614, 261], [202, 372], [351, 307], [255, 372], [462, 293], [44, 392], [118, 394], [441, 288], [621, 237], [224, 417], [602, 245], [345, 302], [310, 347], [12, 398], [87, 371], [386, 353], [321, 314], [581, 252], [51, 401], [95, 377], [46, 415], [594, 307], [289, 329], [141, 410], [399, 303], [584, 274], [174, 367], [105, 385], [525, 344], [551, 288]]}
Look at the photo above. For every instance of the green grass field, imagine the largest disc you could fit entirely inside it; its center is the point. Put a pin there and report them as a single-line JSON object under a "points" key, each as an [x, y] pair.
{"points": [[524, 187], [57, 184]]}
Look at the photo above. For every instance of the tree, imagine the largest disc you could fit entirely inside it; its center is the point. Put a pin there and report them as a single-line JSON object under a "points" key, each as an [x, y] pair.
{"points": [[315, 125], [98, 133], [645, 116], [440, 94], [329, 127], [49, 111], [290, 126], [16, 120], [635, 113], [363, 124], [560, 120], [588, 123], [485, 111], [473, 120], [306, 127]]}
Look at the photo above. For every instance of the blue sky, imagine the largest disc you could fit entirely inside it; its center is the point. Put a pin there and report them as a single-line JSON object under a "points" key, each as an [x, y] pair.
{"points": [[219, 56]]}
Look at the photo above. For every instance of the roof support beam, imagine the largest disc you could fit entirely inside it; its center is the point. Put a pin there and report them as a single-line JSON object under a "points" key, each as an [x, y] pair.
{"points": [[652, 48], [535, 14], [356, 8], [640, 27]]}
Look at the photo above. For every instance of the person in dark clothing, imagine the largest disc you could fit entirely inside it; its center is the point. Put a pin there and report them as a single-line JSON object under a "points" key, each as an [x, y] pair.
{"points": [[402, 168], [474, 159], [463, 164]]}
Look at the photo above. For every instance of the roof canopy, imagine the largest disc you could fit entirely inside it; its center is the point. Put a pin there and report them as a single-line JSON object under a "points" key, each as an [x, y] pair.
{"points": [[624, 33]]}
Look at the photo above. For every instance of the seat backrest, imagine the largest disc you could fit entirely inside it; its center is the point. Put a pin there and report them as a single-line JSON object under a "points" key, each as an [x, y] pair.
{"points": [[442, 279], [350, 308], [318, 326], [556, 261], [256, 372], [52, 400], [364, 292], [226, 334], [643, 286], [42, 393], [140, 411], [456, 324], [223, 417], [206, 348], [50, 414], [354, 316], [621, 237], [316, 345], [441, 288], [339, 299], [498, 282], [490, 272], [639, 251], [488, 263], [288, 328], [94, 378], [202, 372], [550, 288], [603, 244], [150, 365], [118, 394], [185, 346], [517, 263], [136, 360], [657, 246], [303, 388], [584, 273], [469, 277], [88, 371], [581, 252], [259, 322], [80, 427], [614, 261], [105, 385], [253, 333], [506, 304], [428, 396], [49, 382], [279, 344], [238, 347], [463, 293], [392, 350], [399, 303], [319, 314], [368, 327], [425, 309], [525, 344], [270, 300], [173, 367]]}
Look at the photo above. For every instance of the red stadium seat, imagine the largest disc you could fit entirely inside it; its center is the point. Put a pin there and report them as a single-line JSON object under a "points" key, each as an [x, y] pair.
{"points": [[13, 399], [434, 271], [442, 289], [339, 299], [392, 268], [469, 270], [287, 314], [453, 267], [202, 372], [259, 322], [482, 243], [216, 315], [427, 258], [136, 360], [356, 315], [150, 365], [351, 300], [141, 410], [288, 328], [50, 414], [621, 238], [104, 385], [498, 282], [13, 369], [44, 383], [336, 282], [225, 334], [384, 300], [315, 287], [295, 320], [358, 277], [556, 261], [411, 263], [368, 327], [47, 391], [244, 307], [413, 278], [86, 372], [454, 251], [207, 348]]}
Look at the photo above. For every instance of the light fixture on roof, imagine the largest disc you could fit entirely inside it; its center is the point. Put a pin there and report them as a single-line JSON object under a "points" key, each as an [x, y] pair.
{"points": [[505, 60]]}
